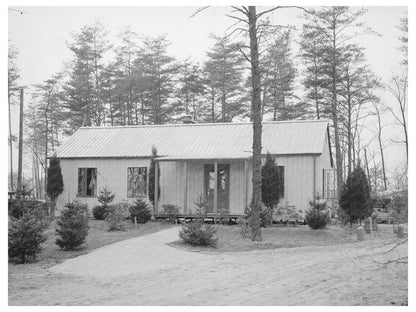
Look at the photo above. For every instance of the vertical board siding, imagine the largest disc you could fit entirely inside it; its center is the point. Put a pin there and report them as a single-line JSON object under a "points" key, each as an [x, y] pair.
{"points": [[298, 180], [111, 173]]}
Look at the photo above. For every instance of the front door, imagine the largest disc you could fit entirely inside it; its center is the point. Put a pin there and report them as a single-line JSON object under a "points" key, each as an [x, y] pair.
{"points": [[223, 187]]}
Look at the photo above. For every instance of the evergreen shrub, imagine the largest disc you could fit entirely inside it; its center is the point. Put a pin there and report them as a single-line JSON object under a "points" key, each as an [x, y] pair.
{"points": [[26, 234], [140, 209], [197, 233], [317, 217], [72, 225]]}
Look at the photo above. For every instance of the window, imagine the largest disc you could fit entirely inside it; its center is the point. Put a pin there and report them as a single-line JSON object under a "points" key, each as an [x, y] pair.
{"points": [[136, 182], [281, 184], [87, 182]]}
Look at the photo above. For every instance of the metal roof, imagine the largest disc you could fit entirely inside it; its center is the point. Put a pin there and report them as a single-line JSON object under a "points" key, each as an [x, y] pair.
{"points": [[195, 141]]}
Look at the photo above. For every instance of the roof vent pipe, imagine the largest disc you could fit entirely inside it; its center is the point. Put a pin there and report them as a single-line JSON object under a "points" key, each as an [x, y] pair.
{"points": [[187, 119]]}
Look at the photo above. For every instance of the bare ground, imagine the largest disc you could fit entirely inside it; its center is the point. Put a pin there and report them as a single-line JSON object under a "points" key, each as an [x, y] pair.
{"points": [[346, 274]]}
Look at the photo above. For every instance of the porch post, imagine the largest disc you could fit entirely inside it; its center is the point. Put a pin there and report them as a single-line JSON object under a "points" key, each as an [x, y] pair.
{"points": [[215, 186], [156, 186], [185, 188], [245, 184], [314, 178]]}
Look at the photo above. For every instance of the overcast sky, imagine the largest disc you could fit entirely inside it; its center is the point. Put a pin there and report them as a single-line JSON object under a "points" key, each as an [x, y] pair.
{"points": [[41, 35]]}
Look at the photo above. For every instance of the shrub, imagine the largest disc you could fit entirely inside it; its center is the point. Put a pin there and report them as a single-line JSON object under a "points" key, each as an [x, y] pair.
{"points": [[55, 184], [72, 225], [25, 237], [270, 188], [244, 227], [355, 197], [141, 211], [104, 198], [317, 217], [197, 233], [99, 212], [19, 207], [171, 211], [116, 216]]}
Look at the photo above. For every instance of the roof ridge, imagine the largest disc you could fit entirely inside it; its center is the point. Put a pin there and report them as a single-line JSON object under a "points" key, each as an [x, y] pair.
{"points": [[207, 124]]}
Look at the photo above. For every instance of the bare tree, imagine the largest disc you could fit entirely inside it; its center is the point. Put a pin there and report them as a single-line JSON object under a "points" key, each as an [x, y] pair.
{"points": [[380, 141], [398, 88]]}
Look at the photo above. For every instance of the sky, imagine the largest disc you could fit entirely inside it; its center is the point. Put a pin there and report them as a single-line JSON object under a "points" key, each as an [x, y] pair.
{"points": [[41, 35]]}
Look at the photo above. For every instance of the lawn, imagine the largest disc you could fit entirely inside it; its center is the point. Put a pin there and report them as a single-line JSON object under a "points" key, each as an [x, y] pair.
{"points": [[98, 236], [276, 236]]}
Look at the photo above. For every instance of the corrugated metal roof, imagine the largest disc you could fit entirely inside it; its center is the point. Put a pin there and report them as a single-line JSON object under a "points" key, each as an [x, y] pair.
{"points": [[187, 141]]}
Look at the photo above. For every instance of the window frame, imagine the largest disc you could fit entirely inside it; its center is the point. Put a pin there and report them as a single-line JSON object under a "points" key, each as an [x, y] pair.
{"points": [[146, 184], [84, 193]]}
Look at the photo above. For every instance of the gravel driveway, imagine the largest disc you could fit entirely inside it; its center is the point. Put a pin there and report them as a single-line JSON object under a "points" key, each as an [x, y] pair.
{"points": [[137, 255]]}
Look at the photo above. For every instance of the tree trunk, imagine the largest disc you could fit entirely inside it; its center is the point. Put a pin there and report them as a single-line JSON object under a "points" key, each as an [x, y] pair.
{"points": [[380, 144], [334, 110], [256, 109], [11, 144]]}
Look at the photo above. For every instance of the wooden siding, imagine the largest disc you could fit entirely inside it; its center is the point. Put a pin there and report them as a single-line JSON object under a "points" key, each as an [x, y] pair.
{"points": [[173, 186], [111, 172]]}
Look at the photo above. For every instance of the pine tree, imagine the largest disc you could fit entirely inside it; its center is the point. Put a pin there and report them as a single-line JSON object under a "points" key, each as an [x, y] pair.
{"points": [[84, 90], [152, 176], [224, 71], [355, 199], [269, 187], [105, 197], [279, 81], [270, 182], [55, 185]]}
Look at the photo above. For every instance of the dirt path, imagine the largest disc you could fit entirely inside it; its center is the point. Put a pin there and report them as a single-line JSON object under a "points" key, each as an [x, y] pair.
{"points": [[339, 275]]}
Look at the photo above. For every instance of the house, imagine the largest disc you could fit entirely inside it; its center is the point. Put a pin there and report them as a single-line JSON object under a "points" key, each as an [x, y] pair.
{"points": [[209, 161]]}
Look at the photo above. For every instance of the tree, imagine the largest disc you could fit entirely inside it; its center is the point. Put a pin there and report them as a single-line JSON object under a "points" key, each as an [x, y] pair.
{"points": [[105, 196], [26, 235], [152, 177], [279, 80], [224, 69], [45, 119], [12, 76], [355, 199], [84, 91], [55, 185], [158, 70], [378, 112], [256, 109], [72, 225], [311, 47], [190, 90], [357, 84], [335, 28], [270, 182]]}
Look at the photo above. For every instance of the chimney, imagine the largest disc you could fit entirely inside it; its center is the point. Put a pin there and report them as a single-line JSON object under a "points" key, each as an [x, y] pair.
{"points": [[187, 119]]}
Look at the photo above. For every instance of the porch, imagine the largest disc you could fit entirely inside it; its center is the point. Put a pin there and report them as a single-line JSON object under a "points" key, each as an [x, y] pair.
{"points": [[222, 183]]}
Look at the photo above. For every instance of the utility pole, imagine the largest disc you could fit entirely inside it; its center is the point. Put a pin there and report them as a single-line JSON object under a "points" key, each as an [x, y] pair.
{"points": [[20, 164]]}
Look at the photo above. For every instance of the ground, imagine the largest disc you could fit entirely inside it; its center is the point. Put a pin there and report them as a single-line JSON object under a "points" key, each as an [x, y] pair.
{"points": [[147, 271]]}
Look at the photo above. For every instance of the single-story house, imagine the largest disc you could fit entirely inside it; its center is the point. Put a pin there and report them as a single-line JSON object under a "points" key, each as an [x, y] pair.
{"points": [[212, 161]]}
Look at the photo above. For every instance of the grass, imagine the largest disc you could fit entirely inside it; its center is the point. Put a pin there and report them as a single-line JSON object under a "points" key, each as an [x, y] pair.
{"points": [[230, 239], [98, 236]]}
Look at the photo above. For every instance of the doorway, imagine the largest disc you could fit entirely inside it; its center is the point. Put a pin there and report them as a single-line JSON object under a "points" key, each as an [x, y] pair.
{"points": [[223, 187]]}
